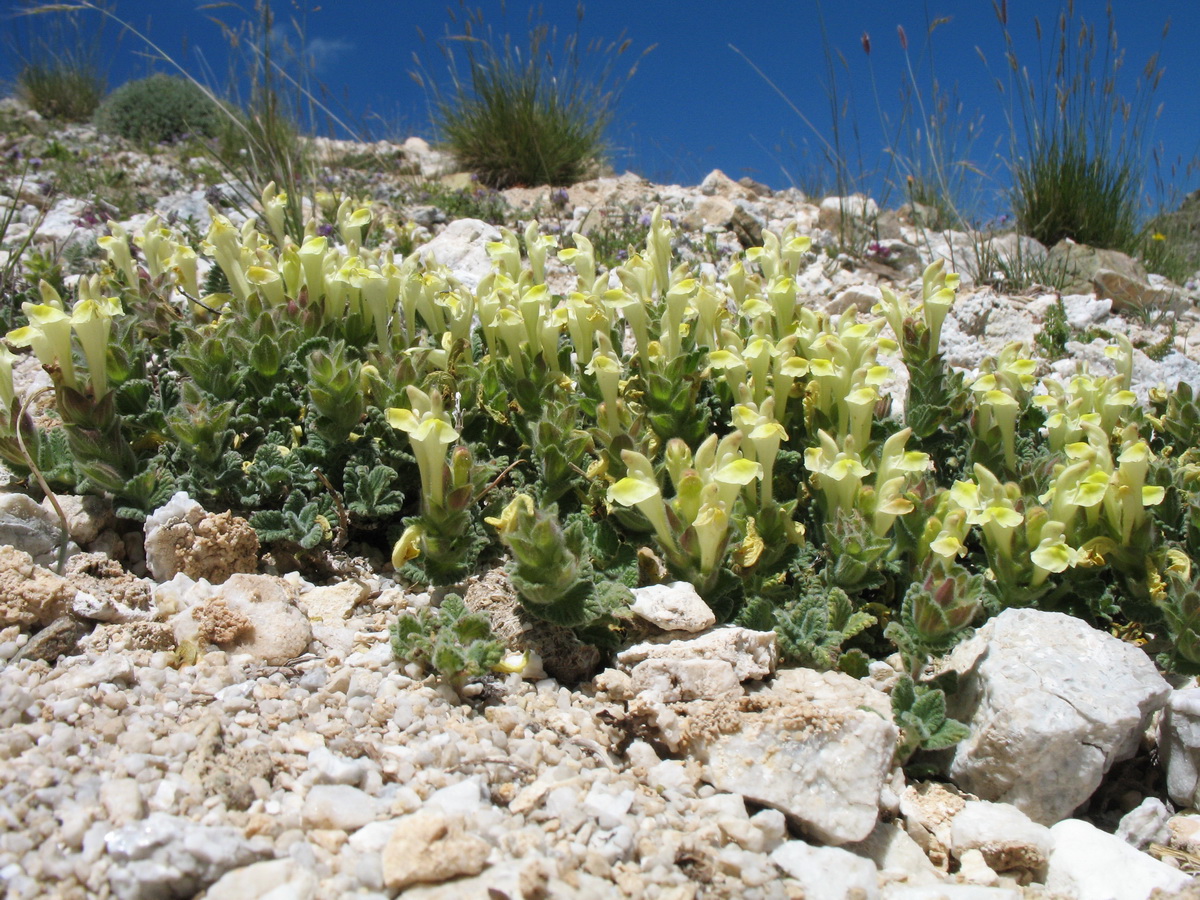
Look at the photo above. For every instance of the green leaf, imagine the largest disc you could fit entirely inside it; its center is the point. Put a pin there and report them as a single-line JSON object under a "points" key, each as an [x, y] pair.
{"points": [[950, 733], [370, 492]]}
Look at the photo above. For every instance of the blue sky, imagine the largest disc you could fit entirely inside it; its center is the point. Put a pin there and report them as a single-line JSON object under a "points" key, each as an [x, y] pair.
{"points": [[695, 104]]}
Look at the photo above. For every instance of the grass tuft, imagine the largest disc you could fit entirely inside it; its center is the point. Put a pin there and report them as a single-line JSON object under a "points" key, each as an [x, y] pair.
{"points": [[1078, 168], [518, 117], [58, 67]]}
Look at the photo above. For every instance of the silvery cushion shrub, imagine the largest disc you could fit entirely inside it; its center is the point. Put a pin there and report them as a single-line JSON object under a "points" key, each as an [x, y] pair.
{"points": [[158, 108]]}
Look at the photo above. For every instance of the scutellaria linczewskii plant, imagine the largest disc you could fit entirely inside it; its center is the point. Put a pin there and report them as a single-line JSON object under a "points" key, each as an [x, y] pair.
{"points": [[453, 641], [334, 391]]}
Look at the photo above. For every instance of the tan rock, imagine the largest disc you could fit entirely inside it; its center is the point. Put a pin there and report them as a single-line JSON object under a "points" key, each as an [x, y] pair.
{"points": [[929, 810], [218, 624], [107, 593], [335, 602], [429, 848], [715, 211], [183, 537], [861, 298], [717, 183], [30, 594], [1127, 293]]}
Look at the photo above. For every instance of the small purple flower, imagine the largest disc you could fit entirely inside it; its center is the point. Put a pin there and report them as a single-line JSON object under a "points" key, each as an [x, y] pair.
{"points": [[644, 220], [559, 198], [325, 230], [622, 255], [877, 249], [35, 163]]}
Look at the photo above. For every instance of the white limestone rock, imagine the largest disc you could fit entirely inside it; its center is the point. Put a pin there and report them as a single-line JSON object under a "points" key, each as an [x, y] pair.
{"points": [[334, 603], [1084, 310], [463, 798], [27, 526], [327, 767], [255, 614], [676, 680], [1051, 704], [122, 801], [897, 856], [170, 856], [462, 248], [338, 806], [432, 163], [1179, 746], [1090, 864], [673, 607], [949, 891], [1146, 824], [753, 654], [87, 516], [1008, 840], [275, 879], [855, 209], [808, 749], [827, 873]]}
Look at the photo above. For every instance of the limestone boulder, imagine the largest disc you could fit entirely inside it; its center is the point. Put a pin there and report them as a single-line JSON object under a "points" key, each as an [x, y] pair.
{"points": [[1051, 704], [29, 527], [816, 746], [837, 213]]}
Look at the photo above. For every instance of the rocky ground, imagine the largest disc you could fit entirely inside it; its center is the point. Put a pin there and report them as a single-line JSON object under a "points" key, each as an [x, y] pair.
{"points": [[179, 720]]}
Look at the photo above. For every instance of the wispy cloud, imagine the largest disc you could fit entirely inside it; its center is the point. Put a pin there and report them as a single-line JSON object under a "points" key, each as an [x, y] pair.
{"points": [[323, 52], [318, 54]]}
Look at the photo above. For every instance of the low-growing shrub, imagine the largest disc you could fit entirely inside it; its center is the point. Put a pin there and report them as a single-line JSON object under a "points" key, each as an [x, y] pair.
{"points": [[159, 108]]}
